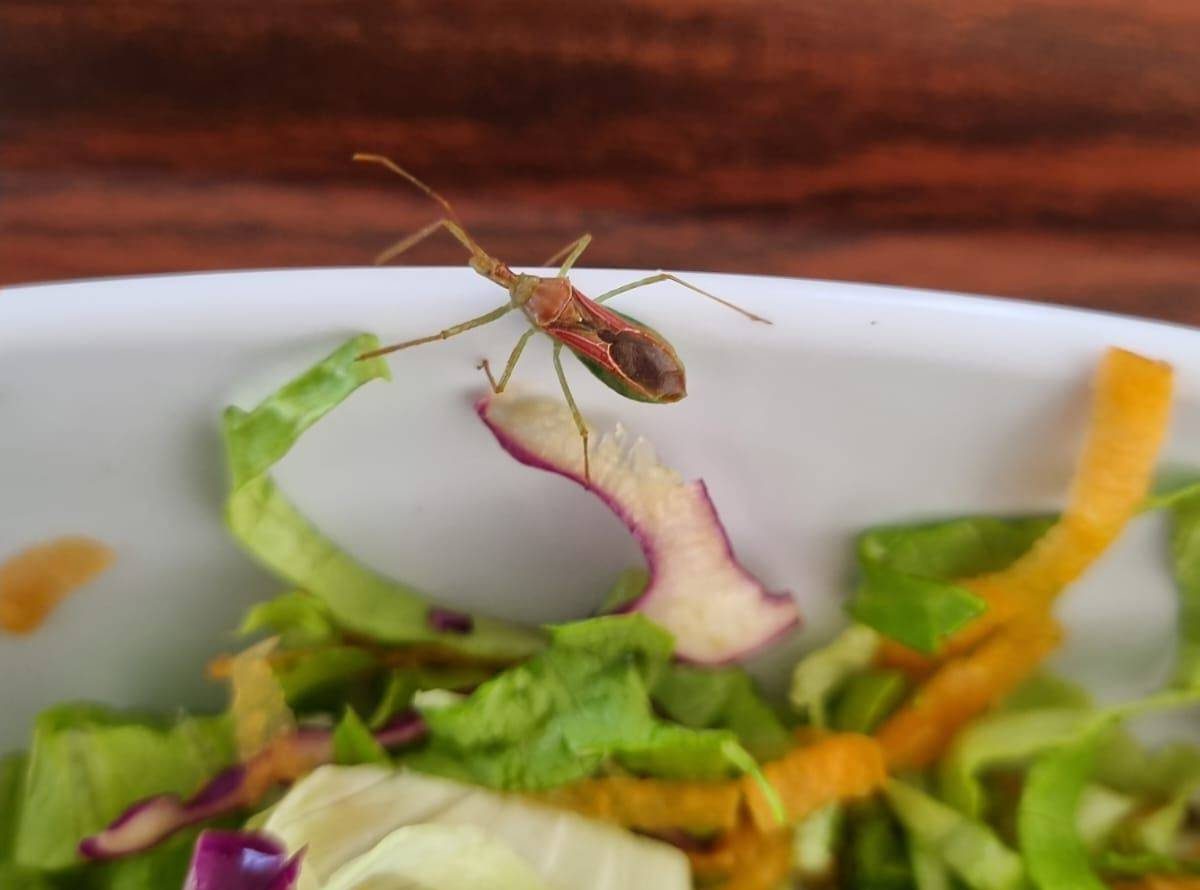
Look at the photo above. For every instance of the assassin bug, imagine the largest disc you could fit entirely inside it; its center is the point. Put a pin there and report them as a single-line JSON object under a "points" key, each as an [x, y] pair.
{"points": [[629, 357]]}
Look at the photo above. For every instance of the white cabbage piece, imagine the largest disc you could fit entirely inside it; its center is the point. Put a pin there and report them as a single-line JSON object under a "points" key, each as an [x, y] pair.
{"points": [[341, 813]]}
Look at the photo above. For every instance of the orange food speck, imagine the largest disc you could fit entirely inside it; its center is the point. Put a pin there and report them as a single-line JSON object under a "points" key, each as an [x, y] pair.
{"points": [[837, 767], [36, 580]]}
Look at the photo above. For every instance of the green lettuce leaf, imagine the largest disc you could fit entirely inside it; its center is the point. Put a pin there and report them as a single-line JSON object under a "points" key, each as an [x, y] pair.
{"points": [[405, 682], [1185, 559], [868, 699], [324, 679], [876, 858], [968, 848], [822, 673], [12, 780], [1046, 821], [907, 589], [1135, 865], [300, 620], [17, 877], [565, 713], [267, 525], [723, 698], [1047, 691], [87, 764], [353, 743], [1003, 739], [953, 549], [918, 612], [1048, 816]]}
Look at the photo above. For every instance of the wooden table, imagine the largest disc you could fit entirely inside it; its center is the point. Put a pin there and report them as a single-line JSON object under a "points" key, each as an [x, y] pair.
{"points": [[1038, 148]]}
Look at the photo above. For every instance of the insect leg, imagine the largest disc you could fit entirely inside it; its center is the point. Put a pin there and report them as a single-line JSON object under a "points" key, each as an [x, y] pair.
{"points": [[486, 318], [666, 276], [571, 252], [580, 423], [509, 366]]}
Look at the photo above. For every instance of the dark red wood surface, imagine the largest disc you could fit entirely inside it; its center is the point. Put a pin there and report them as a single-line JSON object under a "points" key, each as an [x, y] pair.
{"points": [[1039, 148]]}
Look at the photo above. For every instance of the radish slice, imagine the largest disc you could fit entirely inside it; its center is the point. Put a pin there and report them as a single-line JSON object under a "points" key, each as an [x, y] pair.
{"points": [[717, 611]]}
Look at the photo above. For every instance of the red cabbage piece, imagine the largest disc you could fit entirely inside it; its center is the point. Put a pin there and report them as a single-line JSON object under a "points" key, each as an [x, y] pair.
{"points": [[450, 621], [241, 860]]}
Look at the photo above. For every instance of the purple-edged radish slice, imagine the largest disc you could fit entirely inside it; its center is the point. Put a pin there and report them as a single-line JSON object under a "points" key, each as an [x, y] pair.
{"points": [[717, 610]]}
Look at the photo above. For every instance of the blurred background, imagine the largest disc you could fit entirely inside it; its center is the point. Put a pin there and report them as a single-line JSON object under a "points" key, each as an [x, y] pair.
{"points": [[1037, 148]]}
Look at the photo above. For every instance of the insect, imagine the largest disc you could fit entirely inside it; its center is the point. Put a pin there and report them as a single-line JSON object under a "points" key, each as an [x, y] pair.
{"points": [[629, 357]]}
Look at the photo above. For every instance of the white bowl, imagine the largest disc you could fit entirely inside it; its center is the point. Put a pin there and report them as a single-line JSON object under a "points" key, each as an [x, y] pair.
{"points": [[861, 405]]}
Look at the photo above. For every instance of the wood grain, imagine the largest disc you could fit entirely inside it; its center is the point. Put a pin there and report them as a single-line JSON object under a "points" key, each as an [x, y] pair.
{"points": [[1039, 148]]}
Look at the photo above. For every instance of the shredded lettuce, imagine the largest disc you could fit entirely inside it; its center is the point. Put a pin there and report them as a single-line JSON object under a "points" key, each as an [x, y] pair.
{"points": [[1046, 823], [953, 549], [823, 672], [1185, 558], [405, 682], [323, 679], [918, 612], [907, 590], [875, 852], [12, 780], [569, 710], [267, 525], [868, 699], [1004, 739], [724, 698], [298, 619], [87, 764], [1046, 691], [1048, 820], [353, 742], [967, 847]]}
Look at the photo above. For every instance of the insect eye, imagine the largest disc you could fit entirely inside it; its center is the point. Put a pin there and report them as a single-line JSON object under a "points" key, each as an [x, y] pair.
{"points": [[648, 365], [606, 336]]}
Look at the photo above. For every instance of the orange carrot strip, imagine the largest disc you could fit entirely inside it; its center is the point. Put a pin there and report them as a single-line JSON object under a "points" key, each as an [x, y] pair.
{"points": [[1130, 410], [963, 688], [836, 767], [1161, 882], [35, 581], [653, 804], [744, 859]]}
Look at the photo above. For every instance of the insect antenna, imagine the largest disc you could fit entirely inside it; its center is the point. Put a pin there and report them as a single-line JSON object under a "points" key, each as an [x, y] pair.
{"points": [[452, 222]]}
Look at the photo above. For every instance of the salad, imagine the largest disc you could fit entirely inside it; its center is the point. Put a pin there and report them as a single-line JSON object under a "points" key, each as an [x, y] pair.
{"points": [[376, 740]]}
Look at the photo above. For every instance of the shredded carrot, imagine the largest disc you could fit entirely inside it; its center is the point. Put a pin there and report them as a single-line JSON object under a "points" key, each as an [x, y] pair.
{"points": [[36, 580], [837, 767], [963, 688], [1161, 882], [744, 859], [260, 709], [653, 804], [284, 760], [1130, 411]]}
